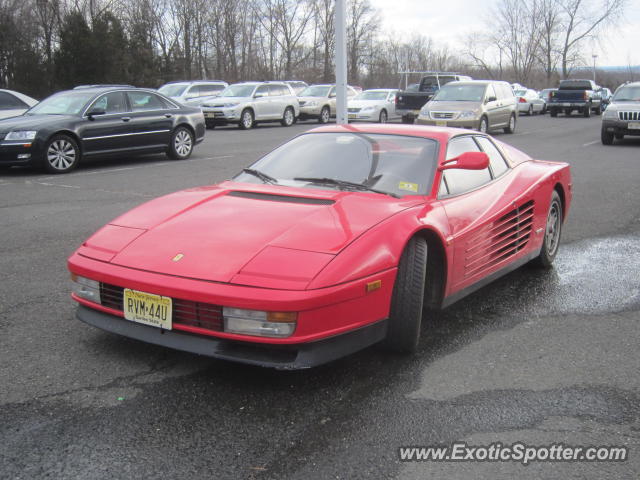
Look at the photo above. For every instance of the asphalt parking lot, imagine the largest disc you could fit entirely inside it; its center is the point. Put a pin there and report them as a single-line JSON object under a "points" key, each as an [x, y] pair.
{"points": [[537, 357]]}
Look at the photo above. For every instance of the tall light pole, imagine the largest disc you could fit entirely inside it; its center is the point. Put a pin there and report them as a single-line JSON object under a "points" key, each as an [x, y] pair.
{"points": [[341, 62], [594, 67]]}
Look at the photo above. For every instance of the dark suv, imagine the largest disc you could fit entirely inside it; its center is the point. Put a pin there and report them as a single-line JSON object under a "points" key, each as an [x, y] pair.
{"points": [[622, 116]]}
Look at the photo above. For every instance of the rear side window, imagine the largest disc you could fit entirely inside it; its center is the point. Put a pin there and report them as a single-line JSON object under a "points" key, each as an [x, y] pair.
{"points": [[503, 90], [276, 90], [114, 102], [142, 101], [9, 102], [206, 90], [264, 90], [491, 93], [498, 165], [460, 181]]}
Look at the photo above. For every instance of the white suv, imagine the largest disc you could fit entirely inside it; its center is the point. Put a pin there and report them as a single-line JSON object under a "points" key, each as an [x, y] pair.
{"points": [[193, 93], [248, 103]]}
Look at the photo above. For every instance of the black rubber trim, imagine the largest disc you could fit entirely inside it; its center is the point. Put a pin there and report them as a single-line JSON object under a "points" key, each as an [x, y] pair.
{"points": [[282, 357], [281, 198]]}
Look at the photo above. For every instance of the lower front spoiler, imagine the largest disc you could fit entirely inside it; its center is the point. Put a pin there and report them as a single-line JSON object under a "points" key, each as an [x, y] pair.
{"points": [[282, 357]]}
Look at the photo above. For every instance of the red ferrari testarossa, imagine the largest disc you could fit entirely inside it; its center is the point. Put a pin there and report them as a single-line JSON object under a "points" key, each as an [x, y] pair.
{"points": [[330, 243]]}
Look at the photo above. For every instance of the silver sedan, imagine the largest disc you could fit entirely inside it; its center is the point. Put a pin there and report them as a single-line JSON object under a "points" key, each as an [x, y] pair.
{"points": [[529, 102], [375, 105]]}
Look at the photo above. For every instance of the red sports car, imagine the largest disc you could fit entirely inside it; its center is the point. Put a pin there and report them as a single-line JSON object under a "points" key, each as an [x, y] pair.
{"points": [[332, 242]]}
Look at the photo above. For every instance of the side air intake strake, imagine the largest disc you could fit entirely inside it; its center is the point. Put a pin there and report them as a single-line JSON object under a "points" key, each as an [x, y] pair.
{"points": [[502, 239], [280, 198]]}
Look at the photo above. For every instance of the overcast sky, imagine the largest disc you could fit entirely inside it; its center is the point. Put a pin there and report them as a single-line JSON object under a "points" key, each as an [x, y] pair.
{"points": [[447, 21]]}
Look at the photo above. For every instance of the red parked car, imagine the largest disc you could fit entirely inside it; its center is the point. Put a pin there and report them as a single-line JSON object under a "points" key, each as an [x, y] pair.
{"points": [[332, 242]]}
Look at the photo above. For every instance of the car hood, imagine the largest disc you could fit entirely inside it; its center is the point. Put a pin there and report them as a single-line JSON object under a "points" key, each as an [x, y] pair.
{"points": [[364, 103], [28, 122], [452, 106], [242, 233], [625, 105], [220, 100], [309, 99]]}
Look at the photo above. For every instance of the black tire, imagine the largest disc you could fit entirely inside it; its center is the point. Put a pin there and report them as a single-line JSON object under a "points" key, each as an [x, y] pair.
{"points": [[181, 145], [553, 112], [598, 110], [586, 112], [383, 116], [552, 233], [619, 136], [288, 117], [544, 109], [606, 137], [325, 115], [512, 124], [483, 126], [210, 125], [567, 112], [247, 120], [530, 111], [407, 119], [61, 154], [405, 316]]}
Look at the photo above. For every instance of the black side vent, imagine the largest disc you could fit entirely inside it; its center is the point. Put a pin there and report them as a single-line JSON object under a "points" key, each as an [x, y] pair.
{"points": [[281, 198]]}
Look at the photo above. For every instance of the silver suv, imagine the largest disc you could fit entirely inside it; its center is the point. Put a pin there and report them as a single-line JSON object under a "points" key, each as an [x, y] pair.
{"points": [[475, 104], [622, 116], [319, 102], [193, 93], [248, 103]]}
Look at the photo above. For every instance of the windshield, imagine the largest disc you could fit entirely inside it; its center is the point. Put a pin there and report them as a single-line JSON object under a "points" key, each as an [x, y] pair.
{"points": [[394, 164], [460, 93], [173, 90], [238, 91], [519, 93], [627, 94], [63, 103], [316, 91], [372, 96]]}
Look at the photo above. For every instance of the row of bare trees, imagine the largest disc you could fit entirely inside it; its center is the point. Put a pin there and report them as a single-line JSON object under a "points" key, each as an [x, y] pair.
{"points": [[51, 44]]}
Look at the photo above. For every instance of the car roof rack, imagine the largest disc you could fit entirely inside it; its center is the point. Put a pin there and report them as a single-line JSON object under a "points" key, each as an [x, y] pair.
{"points": [[194, 81], [103, 85]]}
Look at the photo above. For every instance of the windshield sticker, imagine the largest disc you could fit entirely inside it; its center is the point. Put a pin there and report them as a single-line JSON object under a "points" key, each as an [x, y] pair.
{"points": [[345, 139], [408, 186]]}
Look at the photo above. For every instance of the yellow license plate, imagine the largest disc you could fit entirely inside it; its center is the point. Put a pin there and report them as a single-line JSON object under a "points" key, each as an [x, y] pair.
{"points": [[147, 308], [633, 126], [209, 115], [441, 123], [352, 115]]}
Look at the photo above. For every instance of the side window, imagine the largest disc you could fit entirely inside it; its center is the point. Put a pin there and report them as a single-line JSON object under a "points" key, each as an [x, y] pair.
{"points": [[276, 90], [332, 92], [192, 92], [490, 92], [114, 102], [498, 165], [460, 181], [8, 102], [263, 90], [142, 101]]}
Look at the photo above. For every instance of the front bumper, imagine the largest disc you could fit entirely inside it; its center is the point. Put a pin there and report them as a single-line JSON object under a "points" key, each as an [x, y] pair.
{"points": [[364, 116], [471, 123], [221, 116], [310, 112], [19, 153], [571, 105], [283, 357], [621, 127]]}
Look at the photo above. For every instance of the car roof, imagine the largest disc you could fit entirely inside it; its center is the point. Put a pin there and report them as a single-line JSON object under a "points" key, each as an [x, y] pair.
{"points": [[483, 82], [380, 90], [193, 82]]}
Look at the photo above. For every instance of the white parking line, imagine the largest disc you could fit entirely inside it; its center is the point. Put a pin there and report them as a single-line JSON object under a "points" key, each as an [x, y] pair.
{"points": [[590, 143]]}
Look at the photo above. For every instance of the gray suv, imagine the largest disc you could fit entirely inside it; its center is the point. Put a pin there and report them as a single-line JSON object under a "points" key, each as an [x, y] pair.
{"points": [[248, 103], [482, 105], [622, 116]]}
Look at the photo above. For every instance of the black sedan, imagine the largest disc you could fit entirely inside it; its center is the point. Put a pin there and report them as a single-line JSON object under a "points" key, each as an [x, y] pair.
{"points": [[75, 124]]}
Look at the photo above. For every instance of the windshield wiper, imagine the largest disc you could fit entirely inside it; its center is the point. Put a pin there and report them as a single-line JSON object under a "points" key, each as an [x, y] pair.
{"points": [[343, 184], [262, 176]]}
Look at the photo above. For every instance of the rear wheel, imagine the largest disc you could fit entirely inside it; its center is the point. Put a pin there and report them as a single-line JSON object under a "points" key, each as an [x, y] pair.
{"points": [[288, 118], [598, 110], [325, 115], [530, 111], [606, 137], [567, 112], [552, 233], [586, 112], [407, 119], [247, 120], [61, 154], [553, 112], [383, 117], [512, 124], [405, 315], [181, 144]]}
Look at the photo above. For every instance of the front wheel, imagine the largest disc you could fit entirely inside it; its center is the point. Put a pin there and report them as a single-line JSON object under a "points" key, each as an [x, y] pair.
{"points": [[383, 117], [512, 125], [288, 118], [325, 115], [61, 154], [606, 137], [181, 144], [484, 125], [246, 120], [552, 233], [405, 316]]}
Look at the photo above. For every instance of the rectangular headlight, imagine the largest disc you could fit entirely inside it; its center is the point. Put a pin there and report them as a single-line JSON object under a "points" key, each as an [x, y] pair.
{"points": [[86, 288], [259, 323], [21, 135]]}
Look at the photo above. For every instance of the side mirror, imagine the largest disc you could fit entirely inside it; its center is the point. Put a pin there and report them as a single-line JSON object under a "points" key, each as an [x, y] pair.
{"points": [[95, 112], [490, 99], [332, 95], [467, 161]]}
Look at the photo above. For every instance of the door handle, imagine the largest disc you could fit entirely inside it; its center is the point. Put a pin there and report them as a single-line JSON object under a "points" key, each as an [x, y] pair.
{"points": [[126, 119], [168, 115]]}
